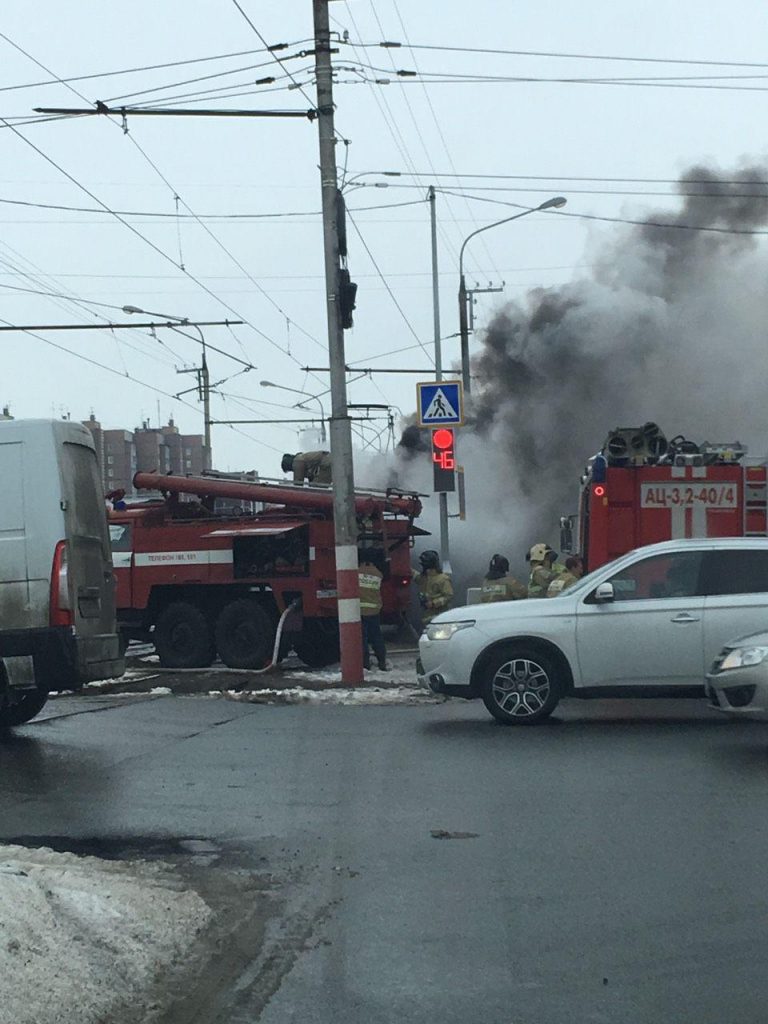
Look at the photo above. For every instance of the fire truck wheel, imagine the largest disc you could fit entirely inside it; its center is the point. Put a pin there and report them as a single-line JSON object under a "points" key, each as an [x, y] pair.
{"points": [[183, 637], [318, 644], [520, 686], [245, 634]]}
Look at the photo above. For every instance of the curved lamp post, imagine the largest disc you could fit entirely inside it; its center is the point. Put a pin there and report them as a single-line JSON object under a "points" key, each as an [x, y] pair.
{"points": [[550, 204]]}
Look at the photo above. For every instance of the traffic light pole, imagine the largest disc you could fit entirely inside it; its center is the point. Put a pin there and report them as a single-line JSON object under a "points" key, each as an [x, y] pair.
{"points": [[345, 521], [445, 556]]}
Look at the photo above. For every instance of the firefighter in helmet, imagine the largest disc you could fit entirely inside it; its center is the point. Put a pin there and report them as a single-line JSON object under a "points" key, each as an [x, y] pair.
{"points": [[312, 466], [542, 559], [435, 589], [574, 570], [370, 577], [498, 585]]}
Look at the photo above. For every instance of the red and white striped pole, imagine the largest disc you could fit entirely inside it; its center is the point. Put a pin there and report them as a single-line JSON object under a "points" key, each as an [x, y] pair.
{"points": [[345, 520]]}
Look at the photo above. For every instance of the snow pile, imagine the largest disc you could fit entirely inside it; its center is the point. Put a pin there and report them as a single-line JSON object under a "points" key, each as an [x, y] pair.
{"points": [[81, 938], [358, 696]]}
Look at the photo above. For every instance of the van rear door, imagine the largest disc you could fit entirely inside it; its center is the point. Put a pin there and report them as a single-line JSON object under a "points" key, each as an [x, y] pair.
{"points": [[89, 564]]}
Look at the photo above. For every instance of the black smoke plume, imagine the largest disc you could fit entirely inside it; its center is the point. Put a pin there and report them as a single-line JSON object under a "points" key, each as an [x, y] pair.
{"points": [[670, 326]]}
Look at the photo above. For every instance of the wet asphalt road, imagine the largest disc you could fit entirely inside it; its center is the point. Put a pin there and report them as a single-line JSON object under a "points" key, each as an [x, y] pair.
{"points": [[612, 869]]}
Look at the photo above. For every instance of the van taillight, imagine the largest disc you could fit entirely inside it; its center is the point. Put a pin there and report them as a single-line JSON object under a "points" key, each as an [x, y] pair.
{"points": [[61, 612]]}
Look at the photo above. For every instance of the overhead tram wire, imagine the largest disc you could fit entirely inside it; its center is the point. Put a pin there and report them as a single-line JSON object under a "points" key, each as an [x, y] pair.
{"points": [[203, 96], [561, 177], [621, 220], [453, 78], [68, 302], [104, 366], [446, 150], [489, 51], [420, 136], [384, 281], [136, 70], [186, 205], [191, 81], [275, 57]]}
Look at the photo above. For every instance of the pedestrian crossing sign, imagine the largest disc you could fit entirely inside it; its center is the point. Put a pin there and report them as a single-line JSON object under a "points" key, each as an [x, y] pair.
{"points": [[440, 403]]}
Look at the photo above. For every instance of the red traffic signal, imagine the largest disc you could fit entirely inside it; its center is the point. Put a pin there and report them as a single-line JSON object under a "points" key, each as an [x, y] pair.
{"points": [[444, 459]]}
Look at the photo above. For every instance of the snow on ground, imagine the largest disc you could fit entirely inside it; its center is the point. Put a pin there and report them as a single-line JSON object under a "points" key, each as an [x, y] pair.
{"points": [[323, 686], [81, 938], [360, 696]]}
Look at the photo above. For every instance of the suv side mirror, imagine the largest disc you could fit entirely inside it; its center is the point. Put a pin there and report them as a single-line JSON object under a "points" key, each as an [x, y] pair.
{"points": [[604, 593]]}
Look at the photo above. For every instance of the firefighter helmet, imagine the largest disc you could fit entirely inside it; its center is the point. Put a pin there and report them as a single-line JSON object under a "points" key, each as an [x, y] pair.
{"points": [[287, 464], [540, 553], [429, 560], [499, 564]]}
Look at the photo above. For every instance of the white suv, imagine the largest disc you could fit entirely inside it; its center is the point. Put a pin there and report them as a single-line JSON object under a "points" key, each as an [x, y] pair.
{"points": [[648, 624]]}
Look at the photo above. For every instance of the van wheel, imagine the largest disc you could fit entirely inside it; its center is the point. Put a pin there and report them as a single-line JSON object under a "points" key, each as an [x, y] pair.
{"points": [[182, 637], [23, 708], [520, 686], [245, 635]]}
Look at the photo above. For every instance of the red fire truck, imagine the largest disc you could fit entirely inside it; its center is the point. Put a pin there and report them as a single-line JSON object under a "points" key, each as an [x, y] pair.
{"points": [[198, 581], [641, 489]]}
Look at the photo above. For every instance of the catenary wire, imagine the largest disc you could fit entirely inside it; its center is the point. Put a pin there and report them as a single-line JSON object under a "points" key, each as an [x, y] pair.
{"points": [[620, 220], [135, 70], [143, 237], [565, 55], [384, 281]]}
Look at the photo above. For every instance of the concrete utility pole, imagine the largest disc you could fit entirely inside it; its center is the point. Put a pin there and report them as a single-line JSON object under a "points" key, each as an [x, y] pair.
{"points": [[345, 521], [445, 556]]}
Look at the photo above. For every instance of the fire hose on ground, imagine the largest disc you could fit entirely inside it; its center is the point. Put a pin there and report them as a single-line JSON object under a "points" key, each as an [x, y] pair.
{"points": [[276, 649]]}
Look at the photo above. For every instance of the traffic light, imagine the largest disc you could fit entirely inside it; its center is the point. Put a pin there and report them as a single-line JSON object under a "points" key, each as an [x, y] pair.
{"points": [[347, 293], [444, 459]]}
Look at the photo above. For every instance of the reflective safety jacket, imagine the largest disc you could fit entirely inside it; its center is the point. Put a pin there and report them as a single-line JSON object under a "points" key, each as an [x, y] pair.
{"points": [[506, 588], [560, 583], [312, 466], [370, 589], [435, 593], [540, 579]]}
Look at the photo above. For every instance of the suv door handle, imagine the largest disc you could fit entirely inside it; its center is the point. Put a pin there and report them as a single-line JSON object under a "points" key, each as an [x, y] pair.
{"points": [[685, 617]]}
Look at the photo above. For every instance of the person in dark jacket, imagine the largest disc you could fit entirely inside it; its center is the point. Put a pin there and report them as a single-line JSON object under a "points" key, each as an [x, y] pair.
{"points": [[498, 585]]}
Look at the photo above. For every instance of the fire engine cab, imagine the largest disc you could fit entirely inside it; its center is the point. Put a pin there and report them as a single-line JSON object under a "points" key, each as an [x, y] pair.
{"points": [[199, 581], [642, 488]]}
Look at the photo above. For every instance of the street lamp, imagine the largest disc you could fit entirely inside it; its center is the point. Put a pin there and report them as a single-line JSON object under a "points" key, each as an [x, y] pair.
{"points": [[550, 204], [300, 405]]}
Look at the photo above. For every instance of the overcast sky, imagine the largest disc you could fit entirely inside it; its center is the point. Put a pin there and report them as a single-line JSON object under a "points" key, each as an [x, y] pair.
{"points": [[268, 270]]}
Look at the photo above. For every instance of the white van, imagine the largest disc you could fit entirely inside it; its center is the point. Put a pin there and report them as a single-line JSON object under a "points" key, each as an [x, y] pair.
{"points": [[57, 602]]}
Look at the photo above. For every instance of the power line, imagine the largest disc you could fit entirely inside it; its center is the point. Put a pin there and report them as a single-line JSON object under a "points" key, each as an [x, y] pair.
{"points": [[198, 216], [135, 70], [622, 220], [559, 177], [442, 139], [143, 237], [404, 77], [565, 55], [199, 78], [386, 285], [278, 59], [415, 123]]}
